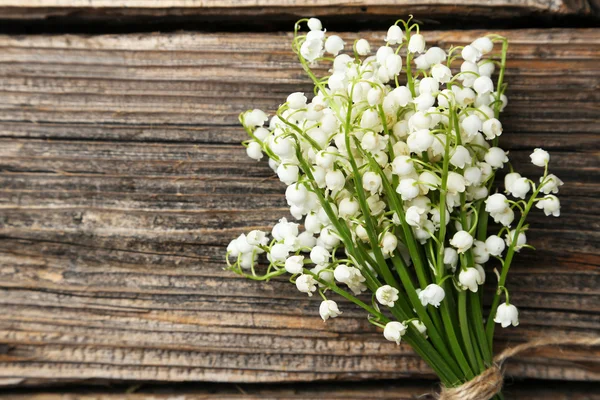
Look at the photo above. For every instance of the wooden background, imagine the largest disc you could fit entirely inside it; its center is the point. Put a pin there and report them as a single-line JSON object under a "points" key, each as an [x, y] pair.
{"points": [[122, 180]]}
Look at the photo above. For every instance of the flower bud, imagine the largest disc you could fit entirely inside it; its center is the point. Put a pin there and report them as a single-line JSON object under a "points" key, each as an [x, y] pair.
{"points": [[496, 203], [483, 85], [335, 180], [294, 264], [540, 157], [314, 24], [450, 258], [349, 207], [254, 151], [495, 245], [470, 53], [402, 95], [408, 189], [279, 252], [362, 47], [420, 141], [296, 100], [480, 252], [319, 255], [389, 242], [519, 188], [462, 240], [334, 44]]}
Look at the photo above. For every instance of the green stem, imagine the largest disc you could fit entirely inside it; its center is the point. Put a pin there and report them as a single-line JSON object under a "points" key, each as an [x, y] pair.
{"points": [[478, 328], [490, 326], [464, 329]]}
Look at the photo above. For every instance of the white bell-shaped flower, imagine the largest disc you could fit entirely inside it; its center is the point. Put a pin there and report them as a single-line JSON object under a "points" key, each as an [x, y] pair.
{"points": [[387, 295], [540, 157], [450, 258], [362, 47], [550, 204], [462, 241], [254, 151], [314, 24], [521, 240], [408, 189], [470, 279], [550, 184], [394, 330], [416, 44], [495, 245], [294, 264], [460, 157], [506, 315], [441, 73], [306, 284], [389, 242], [334, 44], [394, 35], [319, 255], [496, 157], [519, 187], [420, 141], [329, 309], [432, 295]]}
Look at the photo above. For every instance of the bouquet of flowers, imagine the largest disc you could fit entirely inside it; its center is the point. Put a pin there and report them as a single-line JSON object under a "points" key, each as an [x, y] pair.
{"points": [[391, 167]]}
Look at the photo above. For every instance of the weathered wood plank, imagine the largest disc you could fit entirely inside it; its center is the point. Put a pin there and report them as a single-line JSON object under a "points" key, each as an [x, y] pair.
{"points": [[103, 9], [121, 182], [335, 391]]}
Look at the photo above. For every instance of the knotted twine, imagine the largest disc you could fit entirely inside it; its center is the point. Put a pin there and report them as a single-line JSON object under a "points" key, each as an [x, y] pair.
{"points": [[489, 383]]}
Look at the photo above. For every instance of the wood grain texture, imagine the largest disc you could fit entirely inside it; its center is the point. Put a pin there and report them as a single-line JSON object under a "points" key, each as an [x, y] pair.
{"points": [[121, 182], [105, 9], [412, 390]]}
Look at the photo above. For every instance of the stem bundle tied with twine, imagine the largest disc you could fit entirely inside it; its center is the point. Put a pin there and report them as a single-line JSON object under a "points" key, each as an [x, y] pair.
{"points": [[489, 383], [391, 169]]}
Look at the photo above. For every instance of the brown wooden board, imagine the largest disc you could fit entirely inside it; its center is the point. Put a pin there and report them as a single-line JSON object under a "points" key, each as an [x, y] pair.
{"points": [[398, 390], [122, 181], [107, 9]]}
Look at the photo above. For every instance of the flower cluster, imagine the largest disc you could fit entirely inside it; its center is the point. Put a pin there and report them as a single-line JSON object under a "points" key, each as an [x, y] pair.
{"points": [[394, 185]]}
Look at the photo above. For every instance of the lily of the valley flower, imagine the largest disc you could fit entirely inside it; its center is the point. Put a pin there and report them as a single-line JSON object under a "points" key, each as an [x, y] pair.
{"points": [[329, 309], [433, 294], [394, 331], [387, 295], [506, 315]]}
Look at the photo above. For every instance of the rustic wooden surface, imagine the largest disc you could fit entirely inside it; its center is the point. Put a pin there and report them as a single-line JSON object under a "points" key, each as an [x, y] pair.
{"points": [[121, 182], [397, 390], [106, 9]]}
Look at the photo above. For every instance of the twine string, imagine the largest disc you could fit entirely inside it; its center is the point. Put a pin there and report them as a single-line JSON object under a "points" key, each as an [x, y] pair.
{"points": [[489, 383]]}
